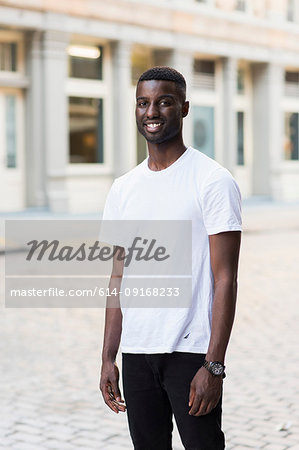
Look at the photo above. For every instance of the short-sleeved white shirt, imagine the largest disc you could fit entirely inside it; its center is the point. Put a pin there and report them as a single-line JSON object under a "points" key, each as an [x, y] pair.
{"points": [[196, 188]]}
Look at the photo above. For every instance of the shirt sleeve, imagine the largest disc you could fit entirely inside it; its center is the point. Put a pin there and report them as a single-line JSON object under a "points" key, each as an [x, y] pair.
{"points": [[111, 230], [221, 203]]}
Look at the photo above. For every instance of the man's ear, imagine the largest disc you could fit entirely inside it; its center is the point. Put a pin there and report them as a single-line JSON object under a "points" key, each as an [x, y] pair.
{"points": [[185, 109]]}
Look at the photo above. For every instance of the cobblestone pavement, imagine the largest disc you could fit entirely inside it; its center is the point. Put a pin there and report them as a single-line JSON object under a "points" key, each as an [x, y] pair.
{"points": [[50, 358]]}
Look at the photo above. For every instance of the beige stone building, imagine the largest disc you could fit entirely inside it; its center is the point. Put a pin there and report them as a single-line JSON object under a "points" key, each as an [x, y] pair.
{"points": [[68, 71]]}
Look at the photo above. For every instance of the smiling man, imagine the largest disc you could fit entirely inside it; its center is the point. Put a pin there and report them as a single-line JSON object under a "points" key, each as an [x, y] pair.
{"points": [[173, 363]]}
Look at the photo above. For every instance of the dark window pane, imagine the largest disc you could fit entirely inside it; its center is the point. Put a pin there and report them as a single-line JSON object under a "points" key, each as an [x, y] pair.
{"points": [[139, 64], [292, 77], [291, 142], [291, 84], [141, 148], [14, 57], [241, 5], [204, 74], [240, 138], [86, 62], [86, 130], [241, 81], [204, 66], [8, 57], [203, 129], [11, 134], [291, 10]]}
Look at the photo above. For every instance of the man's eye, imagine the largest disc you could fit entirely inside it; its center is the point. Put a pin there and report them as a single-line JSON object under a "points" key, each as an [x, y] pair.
{"points": [[141, 104], [164, 103]]}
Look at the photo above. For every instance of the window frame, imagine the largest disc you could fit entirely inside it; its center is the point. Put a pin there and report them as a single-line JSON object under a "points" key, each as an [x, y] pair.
{"points": [[7, 37], [98, 89], [210, 98], [243, 103], [289, 105]]}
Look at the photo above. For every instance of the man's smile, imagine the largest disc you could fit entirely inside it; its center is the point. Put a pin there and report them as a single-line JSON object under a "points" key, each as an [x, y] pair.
{"points": [[153, 126]]}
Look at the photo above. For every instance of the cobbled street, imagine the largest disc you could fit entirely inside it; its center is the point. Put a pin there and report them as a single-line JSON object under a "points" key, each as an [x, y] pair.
{"points": [[50, 358]]}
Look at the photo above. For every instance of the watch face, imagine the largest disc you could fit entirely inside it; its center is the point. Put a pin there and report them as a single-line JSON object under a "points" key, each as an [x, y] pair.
{"points": [[217, 368]]}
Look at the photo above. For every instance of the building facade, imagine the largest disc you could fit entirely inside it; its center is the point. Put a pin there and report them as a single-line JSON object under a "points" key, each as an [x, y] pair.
{"points": [[68, 71]]}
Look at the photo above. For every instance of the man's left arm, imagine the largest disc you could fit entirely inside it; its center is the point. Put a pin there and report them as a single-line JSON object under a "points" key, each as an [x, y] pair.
{"points": [[206, 389]]}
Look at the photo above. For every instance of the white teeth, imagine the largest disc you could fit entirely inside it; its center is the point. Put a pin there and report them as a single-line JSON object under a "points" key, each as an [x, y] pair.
{"points": [[153, 125]]}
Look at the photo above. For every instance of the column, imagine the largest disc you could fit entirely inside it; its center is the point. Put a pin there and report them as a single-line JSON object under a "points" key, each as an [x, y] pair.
{"points": [[35, 161], [183, 62], [123, 109], [56, 118], [229, 132], [267, 126]]}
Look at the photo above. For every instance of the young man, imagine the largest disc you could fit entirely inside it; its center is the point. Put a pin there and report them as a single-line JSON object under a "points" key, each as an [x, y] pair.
{"points": [[180, 373]]}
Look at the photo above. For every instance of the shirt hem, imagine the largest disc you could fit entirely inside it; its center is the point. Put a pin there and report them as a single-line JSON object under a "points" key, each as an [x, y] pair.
{"points": [[222, 229], [152, 350]]}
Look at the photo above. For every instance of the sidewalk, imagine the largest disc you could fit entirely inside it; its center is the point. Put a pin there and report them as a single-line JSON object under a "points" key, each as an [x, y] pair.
{"points": [[51, 357]]}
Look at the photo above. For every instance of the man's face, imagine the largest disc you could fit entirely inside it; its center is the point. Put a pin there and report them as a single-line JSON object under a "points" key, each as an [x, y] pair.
{"points": [[160, 109]]}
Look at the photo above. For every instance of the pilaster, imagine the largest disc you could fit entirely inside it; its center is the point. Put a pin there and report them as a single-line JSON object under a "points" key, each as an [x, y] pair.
{"points": [[229, 132], [56, 117], [123, 113]]}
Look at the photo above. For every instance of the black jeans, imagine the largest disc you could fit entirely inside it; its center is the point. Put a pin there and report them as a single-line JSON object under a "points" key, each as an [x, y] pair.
{"points": [[156, 386]]}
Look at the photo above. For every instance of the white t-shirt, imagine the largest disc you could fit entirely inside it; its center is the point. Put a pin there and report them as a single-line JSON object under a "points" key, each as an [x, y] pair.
{"points": [[196, 188]]}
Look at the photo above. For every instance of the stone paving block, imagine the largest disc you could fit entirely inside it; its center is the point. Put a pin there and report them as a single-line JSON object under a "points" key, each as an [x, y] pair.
{"points": [[27, 446], [56, 444], [97, 436], [61, 436], [248, 442], [60, 429], [19, 427], [7, 441], [26, 437], [276, 439], [276, 447], [84, 442], [78, 425]]}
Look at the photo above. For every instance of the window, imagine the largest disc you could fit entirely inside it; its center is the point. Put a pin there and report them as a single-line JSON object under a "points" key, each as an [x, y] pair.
{"points": [[292, 84], [241, 81], [140, 62], [240, 138], [291, 142], [204, 74], [85, 62], [8, 57], [203, 129], [86, 130], [291, 11], [11, 134], [241, 5]]}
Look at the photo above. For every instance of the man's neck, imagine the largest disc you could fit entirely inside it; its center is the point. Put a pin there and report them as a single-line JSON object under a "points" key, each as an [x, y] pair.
{"points": [[163, 155]]}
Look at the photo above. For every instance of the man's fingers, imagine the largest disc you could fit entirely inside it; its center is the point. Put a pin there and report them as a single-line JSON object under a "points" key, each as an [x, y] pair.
{"points": [[114, 389], [112, 403], [191, 396], [202, 411], [195, 406], [109, 402], [205, 408]]}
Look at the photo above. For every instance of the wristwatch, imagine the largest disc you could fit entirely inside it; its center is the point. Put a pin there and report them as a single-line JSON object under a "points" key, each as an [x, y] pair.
{"points": [[216, 368]]}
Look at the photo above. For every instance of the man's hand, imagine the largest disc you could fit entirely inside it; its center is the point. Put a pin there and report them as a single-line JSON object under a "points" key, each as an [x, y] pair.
{"points": [[205, 392], [109, 387]]}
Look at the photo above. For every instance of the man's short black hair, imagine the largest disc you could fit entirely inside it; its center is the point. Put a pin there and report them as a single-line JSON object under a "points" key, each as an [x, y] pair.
{"points": [[165, 73]]}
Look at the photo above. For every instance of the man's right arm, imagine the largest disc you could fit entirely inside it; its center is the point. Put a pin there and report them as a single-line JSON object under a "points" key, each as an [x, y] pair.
{"points": [[113, 325]]}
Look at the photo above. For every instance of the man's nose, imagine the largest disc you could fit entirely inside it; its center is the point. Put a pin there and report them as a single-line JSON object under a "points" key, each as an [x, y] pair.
{"points": [[152, 110]]}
